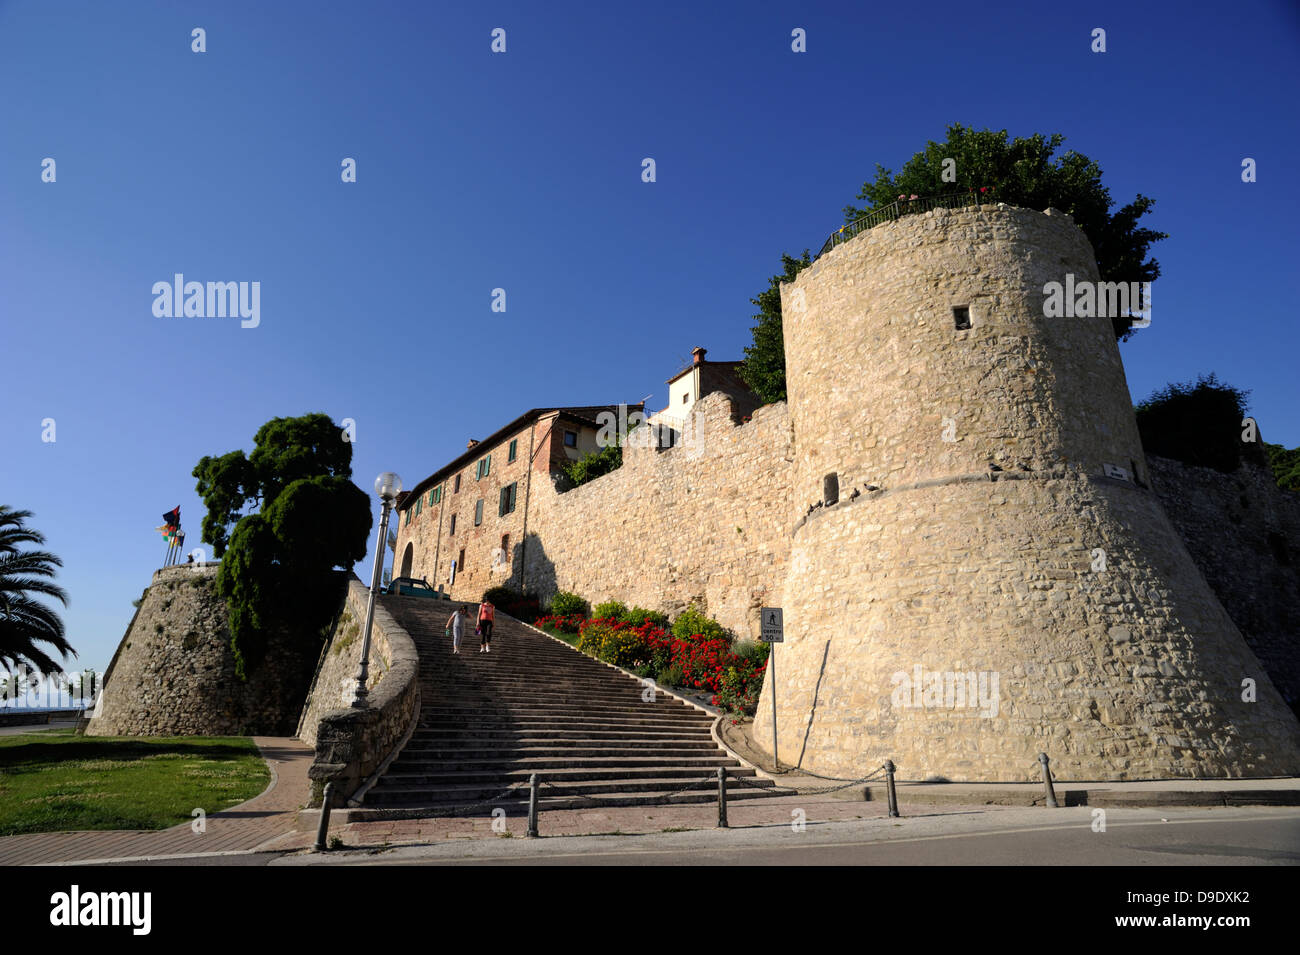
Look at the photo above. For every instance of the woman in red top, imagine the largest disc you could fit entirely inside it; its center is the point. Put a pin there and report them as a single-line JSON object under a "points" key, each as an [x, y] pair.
{"points": [[487, 614]]}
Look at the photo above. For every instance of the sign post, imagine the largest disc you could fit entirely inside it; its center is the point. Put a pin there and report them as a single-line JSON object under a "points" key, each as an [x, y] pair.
{"points": [[772, 628]]}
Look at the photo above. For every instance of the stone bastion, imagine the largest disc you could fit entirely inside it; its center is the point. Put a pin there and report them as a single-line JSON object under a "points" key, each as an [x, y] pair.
{"points": [[978, 569]]}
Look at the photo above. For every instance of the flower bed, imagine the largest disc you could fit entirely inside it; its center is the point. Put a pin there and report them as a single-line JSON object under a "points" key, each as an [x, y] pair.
{"points": [[694, 661]]}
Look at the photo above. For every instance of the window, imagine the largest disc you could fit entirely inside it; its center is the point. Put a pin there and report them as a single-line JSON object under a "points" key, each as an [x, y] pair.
{"points": [[686, 397], [831, 489], [408, 515], [484, 468], [505, 546], [453, 525], [418, 503], [570, 439], [456, 486], [507, 504], [433, 497], [478, 513], [461, 561], [961, 317], [514, 451]]}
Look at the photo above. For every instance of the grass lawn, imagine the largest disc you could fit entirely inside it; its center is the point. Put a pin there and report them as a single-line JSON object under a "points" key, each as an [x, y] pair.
{"points": [[55, 781]]}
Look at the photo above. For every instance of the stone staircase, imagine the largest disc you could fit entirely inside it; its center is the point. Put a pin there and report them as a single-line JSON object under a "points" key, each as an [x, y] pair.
{"points": [[533, 705]]}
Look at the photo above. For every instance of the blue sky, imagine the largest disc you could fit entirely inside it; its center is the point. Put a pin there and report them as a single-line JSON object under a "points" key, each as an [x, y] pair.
{"points": [[522, 171]]}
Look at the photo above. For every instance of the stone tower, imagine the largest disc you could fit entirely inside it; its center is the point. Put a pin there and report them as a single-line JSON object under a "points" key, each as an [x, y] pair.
{"points": [[994, 578]]}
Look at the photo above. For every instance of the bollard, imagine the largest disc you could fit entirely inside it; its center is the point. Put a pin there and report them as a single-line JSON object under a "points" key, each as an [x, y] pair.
{"points": [[323, 829], [889, 783], [1047, 782], [532, 806], [722, 798]]}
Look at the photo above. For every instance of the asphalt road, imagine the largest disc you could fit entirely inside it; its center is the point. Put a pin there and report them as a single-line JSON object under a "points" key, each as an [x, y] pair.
{"points": [[1005, 837]]}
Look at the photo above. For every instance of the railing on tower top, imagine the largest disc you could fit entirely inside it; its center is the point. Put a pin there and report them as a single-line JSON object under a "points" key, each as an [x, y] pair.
{"points": [[902, 206]]}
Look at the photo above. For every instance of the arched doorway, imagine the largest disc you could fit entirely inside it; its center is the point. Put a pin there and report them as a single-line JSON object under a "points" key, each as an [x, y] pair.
{"points": [[406, 560]]}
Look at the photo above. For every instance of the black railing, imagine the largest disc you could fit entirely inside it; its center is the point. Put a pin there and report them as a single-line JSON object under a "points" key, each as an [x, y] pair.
{"points": [[904, 205]]}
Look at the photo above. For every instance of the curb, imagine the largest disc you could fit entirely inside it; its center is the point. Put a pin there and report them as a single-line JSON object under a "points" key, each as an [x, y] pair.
{"points": [[1100, 798]]}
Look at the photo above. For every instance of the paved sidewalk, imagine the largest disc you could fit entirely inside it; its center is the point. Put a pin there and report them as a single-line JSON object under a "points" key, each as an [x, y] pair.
{"points": [[264, 819], [812, 810]]}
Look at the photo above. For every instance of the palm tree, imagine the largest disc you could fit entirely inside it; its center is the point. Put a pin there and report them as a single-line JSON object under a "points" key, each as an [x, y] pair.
{"points": [[24, 621]]}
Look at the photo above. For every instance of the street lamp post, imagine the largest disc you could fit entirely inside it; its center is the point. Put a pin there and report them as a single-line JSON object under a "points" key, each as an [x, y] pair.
{"points": [[388, 485]]}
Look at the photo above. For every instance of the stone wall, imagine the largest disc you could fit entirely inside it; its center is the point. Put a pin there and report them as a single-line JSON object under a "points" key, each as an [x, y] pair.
{"points": [[174, 673], [1243, 532], [976, 537], [352, 743], [706, 522]]}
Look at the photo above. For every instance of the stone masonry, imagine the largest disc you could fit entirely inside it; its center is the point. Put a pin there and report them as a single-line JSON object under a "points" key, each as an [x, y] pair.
{"points": [[977, 536], [973, 537], [174, 673]]}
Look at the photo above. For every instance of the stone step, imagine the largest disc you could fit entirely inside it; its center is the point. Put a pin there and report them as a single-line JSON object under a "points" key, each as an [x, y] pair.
{"points": [[557, 730], [469, 793], [514, 704], [436, 780], [519, 806], [560, 747]]}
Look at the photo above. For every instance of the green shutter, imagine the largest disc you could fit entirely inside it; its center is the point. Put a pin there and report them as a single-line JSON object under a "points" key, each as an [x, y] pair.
{"points": [[488, 468]]}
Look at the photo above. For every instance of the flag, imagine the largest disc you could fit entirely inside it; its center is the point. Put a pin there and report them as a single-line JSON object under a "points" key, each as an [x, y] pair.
{"points": [[173, 517]]}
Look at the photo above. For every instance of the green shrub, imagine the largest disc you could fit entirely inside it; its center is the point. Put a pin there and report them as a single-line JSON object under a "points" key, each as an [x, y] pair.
{"points": [[690, 622], [1197, 423], [639, 615], [610, 610], [670, 676], [500, 596], [753, 652], [614, 644], [593, 465], [565, 603]]}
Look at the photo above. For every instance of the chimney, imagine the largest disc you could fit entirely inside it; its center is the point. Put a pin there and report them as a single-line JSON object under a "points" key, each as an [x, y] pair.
{"points": [[698, 354], [471, 444]]}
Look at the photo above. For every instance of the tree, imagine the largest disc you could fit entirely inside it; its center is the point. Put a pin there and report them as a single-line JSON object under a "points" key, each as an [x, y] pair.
{"points": [[1020, 172], [595, 463], [25, 622], [764, 366], [1286, 465], [1197, 423], [1024, 172], [305, 518]]}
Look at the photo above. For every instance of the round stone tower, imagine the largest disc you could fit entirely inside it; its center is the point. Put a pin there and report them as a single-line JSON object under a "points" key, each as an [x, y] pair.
{"points": [[978, 571]]}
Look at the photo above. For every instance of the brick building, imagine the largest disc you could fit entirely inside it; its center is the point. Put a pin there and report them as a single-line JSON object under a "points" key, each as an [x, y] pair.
{"points": [[463, 528]]}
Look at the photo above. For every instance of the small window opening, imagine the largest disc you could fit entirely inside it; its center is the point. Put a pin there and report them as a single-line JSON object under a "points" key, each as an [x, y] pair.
{"points": [[961, 317], [831, 489]]}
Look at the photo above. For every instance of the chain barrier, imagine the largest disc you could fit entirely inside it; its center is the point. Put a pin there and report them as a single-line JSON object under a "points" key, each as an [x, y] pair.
{"points": [[706, 781], [819, 791], [465, 808]]}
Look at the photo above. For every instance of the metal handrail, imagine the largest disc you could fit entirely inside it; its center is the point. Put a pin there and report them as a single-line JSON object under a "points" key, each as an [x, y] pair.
{"points": [[899, 208]]}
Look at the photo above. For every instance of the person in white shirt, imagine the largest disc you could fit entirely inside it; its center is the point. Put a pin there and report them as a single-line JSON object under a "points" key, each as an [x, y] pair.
{"points": [[456, 626]]}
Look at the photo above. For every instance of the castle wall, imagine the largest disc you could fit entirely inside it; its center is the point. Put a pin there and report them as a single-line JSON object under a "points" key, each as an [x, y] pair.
{"points": [[174, 672], [705, 522], [972, 512], [1243, 532]]}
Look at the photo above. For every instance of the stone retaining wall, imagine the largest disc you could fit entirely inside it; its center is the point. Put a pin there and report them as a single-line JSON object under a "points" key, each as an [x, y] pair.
{"points": [[174, 673], [351, 743]]}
